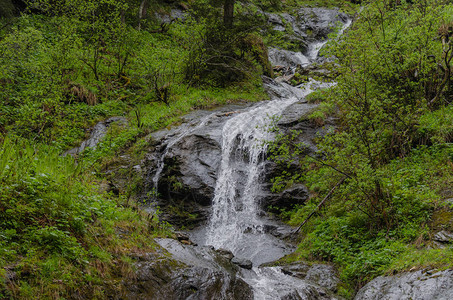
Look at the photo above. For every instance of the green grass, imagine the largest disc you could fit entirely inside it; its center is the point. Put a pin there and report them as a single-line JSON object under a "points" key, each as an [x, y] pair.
{"points": [[60, 233]]}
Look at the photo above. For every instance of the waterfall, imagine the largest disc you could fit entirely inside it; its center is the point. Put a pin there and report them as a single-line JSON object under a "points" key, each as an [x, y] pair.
{"points": [[235, 223], [314, 48]]}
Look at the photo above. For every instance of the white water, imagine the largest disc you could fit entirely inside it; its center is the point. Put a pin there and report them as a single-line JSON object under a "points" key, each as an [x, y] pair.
{"points": [[270, 283], [235, 223], [313, 50]]}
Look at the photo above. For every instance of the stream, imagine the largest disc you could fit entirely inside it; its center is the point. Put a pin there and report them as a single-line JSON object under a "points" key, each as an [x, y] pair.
{"points": [[235, 175]]}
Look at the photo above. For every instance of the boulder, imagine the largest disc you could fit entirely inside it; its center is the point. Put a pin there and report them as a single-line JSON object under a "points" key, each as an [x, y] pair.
{"points": [[420, 285], [287, 58], [186, 182], [225, 253], [281, 89], [323, 275], [192, 163], [295, 113], [243, 263], [190, 273], [164, 279], [443, 237], [296, 194]]}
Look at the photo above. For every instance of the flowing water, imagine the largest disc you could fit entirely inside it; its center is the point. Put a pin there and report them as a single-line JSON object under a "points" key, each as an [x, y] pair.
{"points": [[236, 222], [313, 50]]}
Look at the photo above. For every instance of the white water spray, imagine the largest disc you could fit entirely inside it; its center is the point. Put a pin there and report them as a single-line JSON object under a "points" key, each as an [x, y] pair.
{"points": [[235, 223]]}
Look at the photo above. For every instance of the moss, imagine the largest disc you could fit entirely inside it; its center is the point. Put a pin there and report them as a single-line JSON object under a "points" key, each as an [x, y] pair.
{"points": [[254, 43], [442, 219]]}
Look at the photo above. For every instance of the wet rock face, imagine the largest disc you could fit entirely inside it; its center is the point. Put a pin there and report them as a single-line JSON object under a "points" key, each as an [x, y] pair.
{"points": [[281, 89], [187, 182], [443, 237], [323, 275], [420, 285], [191, 157], [309, 293], [293, 119], [317, 23], [286, 199], [280, 283], [163, 280], [287, 58], [203, 283], [193, 165], [192, 273], [310, 24], [243, 263]]}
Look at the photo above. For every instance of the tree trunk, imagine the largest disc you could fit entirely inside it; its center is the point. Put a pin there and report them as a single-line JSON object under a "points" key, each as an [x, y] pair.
{"points": [[142, 11], [228, 11]]}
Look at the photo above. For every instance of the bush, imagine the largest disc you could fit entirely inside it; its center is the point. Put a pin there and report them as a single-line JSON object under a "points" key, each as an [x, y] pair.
{"points": [[391, 144], [7, 9], [226, 55]]}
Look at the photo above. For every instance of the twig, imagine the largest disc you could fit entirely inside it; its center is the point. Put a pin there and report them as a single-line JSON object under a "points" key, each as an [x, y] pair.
{"points": [[330, 166], [320, 204], [341, 172]]}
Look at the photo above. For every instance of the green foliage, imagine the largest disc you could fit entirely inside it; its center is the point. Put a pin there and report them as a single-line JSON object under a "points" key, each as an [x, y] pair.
{"points": [[66, 70], [65, 67], [220, 55], [279, 5], [321, 113], [270, 5], [436, 127], [381, 95], [53, 223], [391, 144], [6, 9]]}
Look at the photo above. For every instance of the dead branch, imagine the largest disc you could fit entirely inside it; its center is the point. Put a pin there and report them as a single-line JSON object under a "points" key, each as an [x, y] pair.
{"points": [[320, 204]]}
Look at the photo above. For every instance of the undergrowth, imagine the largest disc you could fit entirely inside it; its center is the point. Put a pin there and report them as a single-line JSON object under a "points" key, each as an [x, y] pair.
{"points": [[61, 236]]}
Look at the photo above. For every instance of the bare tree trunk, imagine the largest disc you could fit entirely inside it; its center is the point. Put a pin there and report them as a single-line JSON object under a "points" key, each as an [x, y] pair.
{"points": [[228, 11], [142, 11], [447, 57]]}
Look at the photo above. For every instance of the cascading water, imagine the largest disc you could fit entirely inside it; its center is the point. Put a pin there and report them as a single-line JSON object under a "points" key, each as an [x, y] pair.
{"points": [[235, 223], [314, 48]]}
